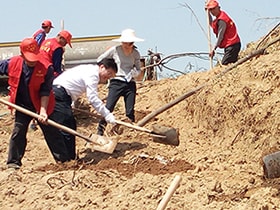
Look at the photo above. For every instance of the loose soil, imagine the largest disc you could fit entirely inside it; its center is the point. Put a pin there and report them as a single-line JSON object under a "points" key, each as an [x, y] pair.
{"points": [[225, 130]]}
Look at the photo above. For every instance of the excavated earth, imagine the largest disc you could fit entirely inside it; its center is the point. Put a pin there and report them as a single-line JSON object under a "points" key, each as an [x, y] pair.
{"points": [[225, 129]]}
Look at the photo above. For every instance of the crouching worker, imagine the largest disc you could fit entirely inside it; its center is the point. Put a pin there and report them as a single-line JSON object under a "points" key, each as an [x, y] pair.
{"points": [[72, 84], [31, 88]]}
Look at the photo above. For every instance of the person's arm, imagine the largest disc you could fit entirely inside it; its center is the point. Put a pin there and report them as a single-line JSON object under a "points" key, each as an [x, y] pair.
{"points": [[4, 67], [46, 86], [40, 38], [137, 65], [57, 60], [210, 18], [222, 26], [43, 110], [45, 90], [96, 102], [107, 54]]}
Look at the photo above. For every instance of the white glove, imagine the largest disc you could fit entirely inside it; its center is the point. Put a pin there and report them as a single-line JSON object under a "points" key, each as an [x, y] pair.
{"points": [[135, 73], [110, 118]]}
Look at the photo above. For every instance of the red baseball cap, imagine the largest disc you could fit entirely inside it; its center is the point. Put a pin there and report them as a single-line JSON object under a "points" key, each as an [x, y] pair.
{"points": [[30, 49], [47, 23], [212, 4], [66, 35]]}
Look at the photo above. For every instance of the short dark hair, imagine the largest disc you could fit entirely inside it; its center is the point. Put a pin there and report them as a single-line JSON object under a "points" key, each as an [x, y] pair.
{"points": [[108, 63]]}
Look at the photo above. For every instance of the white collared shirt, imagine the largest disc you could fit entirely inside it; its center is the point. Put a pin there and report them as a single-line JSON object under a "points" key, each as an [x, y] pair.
{"points": [[83, 79]]}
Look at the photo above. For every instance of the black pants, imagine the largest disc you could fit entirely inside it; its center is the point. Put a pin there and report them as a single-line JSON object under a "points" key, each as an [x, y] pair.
{"points": [[18, 140], [231, 53], [117, 89], [63, 115]]}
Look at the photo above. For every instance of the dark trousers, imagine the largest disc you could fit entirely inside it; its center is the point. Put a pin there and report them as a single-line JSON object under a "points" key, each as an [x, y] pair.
{"points": [[63, 115], [18, 140], [231, 53], [117, 89]]}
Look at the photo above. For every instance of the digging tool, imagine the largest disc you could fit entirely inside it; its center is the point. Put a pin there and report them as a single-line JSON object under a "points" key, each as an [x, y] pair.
{"points": [[170, 191], [100, 143], [209, 36], [271, 165], [161, 134]]}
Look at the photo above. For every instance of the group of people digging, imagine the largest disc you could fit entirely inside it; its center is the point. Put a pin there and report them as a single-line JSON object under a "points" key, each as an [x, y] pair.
{"points": [[39, 84]]}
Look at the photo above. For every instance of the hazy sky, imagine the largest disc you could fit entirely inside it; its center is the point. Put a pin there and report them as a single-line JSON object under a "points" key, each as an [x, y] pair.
{"points": [[166, 25]]}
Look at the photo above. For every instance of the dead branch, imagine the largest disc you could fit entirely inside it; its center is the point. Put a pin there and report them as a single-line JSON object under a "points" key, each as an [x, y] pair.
{"points": [[196, 18], [267, 35]]}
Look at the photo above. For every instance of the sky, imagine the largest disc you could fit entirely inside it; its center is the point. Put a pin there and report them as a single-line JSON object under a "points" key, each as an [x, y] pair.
{"points": [[167, 26]]}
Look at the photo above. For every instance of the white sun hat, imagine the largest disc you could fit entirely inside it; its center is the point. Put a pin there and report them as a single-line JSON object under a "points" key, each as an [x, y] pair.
{"points": [[128, 35]]}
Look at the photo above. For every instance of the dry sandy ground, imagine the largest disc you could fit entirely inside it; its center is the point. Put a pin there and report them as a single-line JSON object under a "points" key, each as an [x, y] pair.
{"points": [[225, 130]]}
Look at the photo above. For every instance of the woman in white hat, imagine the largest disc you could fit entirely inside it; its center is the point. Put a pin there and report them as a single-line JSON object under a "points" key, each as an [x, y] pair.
{"points": [[127, 58]]}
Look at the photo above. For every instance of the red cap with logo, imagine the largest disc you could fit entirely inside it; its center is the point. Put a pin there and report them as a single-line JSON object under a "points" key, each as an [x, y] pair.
{"points": [[211, 4], [66, 35], [30, 49], [47, 23]]}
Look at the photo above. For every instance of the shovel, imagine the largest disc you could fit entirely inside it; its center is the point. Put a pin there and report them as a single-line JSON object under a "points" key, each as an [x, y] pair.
{"points": [[161, 134], [100, 143], [271, 165]]}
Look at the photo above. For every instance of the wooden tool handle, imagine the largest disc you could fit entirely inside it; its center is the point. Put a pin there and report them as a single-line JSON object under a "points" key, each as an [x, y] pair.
{"points": [[209, 36], [119, 122], [50, 122], [129, 125], [173, 186]]}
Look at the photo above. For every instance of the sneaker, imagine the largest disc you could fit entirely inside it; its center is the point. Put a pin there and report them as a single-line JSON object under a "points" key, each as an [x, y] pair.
{"points": [[13, 165], [33, 126], [100, 133]]}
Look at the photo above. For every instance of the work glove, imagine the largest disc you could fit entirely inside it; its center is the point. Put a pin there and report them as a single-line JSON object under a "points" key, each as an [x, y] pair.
{"points": [[110, 118]]}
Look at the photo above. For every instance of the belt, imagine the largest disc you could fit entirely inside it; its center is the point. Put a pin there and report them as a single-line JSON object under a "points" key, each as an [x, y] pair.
{"points": [[62, 88], [58, 86]]}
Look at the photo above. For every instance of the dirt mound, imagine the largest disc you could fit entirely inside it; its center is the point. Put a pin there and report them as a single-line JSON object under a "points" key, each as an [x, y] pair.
{"points": [[225, 130]]}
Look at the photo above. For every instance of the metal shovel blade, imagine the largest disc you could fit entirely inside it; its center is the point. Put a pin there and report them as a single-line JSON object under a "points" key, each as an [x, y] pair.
{"points": [[160, 134], [271, 165], [104, 144], [171, 135]]}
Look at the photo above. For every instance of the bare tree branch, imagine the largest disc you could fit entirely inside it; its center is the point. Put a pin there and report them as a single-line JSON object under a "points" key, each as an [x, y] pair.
{"points": [[196, 18]]}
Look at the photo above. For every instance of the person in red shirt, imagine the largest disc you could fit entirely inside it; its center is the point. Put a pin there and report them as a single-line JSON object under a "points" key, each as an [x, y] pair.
{"points": [[41, 34], [52, 50], [226, 32], [30, 84]]}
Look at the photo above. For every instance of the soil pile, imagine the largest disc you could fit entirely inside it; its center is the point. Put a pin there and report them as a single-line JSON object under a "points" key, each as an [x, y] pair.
{"points": [[225, 130]]}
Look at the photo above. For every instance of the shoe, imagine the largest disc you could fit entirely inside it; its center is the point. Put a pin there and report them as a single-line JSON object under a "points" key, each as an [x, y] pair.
{"points": [[33, 126], [100, 133], [13, 165]]}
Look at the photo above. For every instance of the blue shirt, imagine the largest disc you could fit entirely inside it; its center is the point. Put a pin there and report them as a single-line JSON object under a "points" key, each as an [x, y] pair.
{"points": [[57, 60], [40, 37]]}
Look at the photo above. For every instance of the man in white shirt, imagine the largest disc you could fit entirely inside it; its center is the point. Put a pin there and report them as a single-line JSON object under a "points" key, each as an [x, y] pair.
{"points": [[74, 82]]}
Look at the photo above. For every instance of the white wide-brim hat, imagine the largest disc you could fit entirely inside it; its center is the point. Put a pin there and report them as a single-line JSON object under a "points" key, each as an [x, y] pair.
{"points": [[128, 35]]}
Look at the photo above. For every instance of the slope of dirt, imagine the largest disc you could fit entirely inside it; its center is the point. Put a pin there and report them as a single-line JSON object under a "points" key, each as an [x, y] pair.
{"points": [[225, 130]]}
